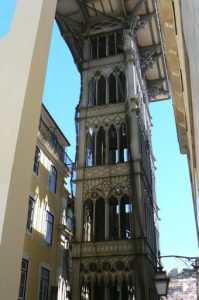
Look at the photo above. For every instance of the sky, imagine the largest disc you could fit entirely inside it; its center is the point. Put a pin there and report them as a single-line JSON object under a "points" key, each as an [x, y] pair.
{"points": [[61, 96]]}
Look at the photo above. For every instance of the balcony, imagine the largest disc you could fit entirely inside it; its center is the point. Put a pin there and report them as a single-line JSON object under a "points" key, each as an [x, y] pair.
{"points": [[53, 143]]}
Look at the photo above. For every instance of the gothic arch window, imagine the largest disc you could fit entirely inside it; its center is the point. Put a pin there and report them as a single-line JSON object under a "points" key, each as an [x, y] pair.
{"points": [[113, 218], [123, 150], [102, 46], [87, 220], [90, 146], [101, 95], [113, 151], [121, 87], [112, 88], [92, 92], [100, 220], [100, 147], [125, 217]]}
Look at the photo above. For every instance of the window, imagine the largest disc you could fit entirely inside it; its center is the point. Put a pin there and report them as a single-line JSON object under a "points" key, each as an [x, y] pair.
{"points": [[44, 284], [102, 46], [52, 184], [101, 91], [100, 148], [88, 221], [92, 92], [29, 223], [113, 151], [49, 228], [113, 218], [69, 219], [36, 161], [112, 89], [23, 280], [53, 141], [90, 148], [100, 215], [123, 150]]}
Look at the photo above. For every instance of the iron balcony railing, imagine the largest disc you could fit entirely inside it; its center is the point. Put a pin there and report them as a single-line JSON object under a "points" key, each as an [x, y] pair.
{"points": [[52, 141]]}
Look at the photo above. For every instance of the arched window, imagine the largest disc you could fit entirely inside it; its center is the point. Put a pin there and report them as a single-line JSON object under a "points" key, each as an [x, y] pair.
{"points": [[36, 161], [100, 148], [102, 46], [88, 220], [90, 141], [113, 151], [100, 220], [92, 92], [113, 218], [112, 88], [52, 183], [125, 216], [101, 97], [121, 87], [123, 143]]}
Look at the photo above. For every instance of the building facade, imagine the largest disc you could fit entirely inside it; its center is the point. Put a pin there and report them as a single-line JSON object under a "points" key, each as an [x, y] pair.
{"points": [[46, 262], [181, 43], [117, 48]]}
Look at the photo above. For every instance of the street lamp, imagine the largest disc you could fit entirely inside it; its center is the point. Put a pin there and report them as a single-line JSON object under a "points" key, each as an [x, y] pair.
{"points": [[161, 282]]}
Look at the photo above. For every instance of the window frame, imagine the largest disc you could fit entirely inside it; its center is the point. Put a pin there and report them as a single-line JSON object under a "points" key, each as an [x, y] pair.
{"points": [[52, 185], [36, 163], [25, 270], [41, 280], [46, 232], [29, 230]]}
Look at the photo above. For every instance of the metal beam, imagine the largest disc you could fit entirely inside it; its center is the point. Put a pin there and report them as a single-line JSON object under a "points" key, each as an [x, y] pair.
{"points": [[133, 16]]}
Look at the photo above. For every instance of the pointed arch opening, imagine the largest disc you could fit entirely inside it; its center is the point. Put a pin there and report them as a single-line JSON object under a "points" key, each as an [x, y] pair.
{"points": [[113, 151], [88, 220], [101, 97], [113, 218], [123, 149], [92, 92], [90, 147], [125, 217], [112, 88], [100, 220], [121, 87], [100, 147]]}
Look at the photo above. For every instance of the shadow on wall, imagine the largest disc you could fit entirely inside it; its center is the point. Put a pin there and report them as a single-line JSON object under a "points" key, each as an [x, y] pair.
{"points": [[7, 9]]}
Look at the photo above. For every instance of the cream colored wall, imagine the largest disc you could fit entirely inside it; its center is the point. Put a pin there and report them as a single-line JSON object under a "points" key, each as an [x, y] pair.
{"points": [[34, 245], [190, 10], [23, 60], [179, 25]]}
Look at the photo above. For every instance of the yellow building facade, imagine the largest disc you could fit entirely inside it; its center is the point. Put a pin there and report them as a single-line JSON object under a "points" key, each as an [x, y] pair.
{"points": [[45, 268]]}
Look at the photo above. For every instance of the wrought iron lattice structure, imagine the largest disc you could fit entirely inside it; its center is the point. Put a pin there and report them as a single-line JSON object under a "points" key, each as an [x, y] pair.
{"points": [[117, 47]]}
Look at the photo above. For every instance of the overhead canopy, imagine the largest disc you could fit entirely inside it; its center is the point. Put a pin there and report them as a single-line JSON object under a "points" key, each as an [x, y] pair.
{"points": [[78, 19]]}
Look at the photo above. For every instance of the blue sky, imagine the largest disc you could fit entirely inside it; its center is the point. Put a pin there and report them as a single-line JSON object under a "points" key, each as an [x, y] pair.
{"points": [[61, 95]]}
